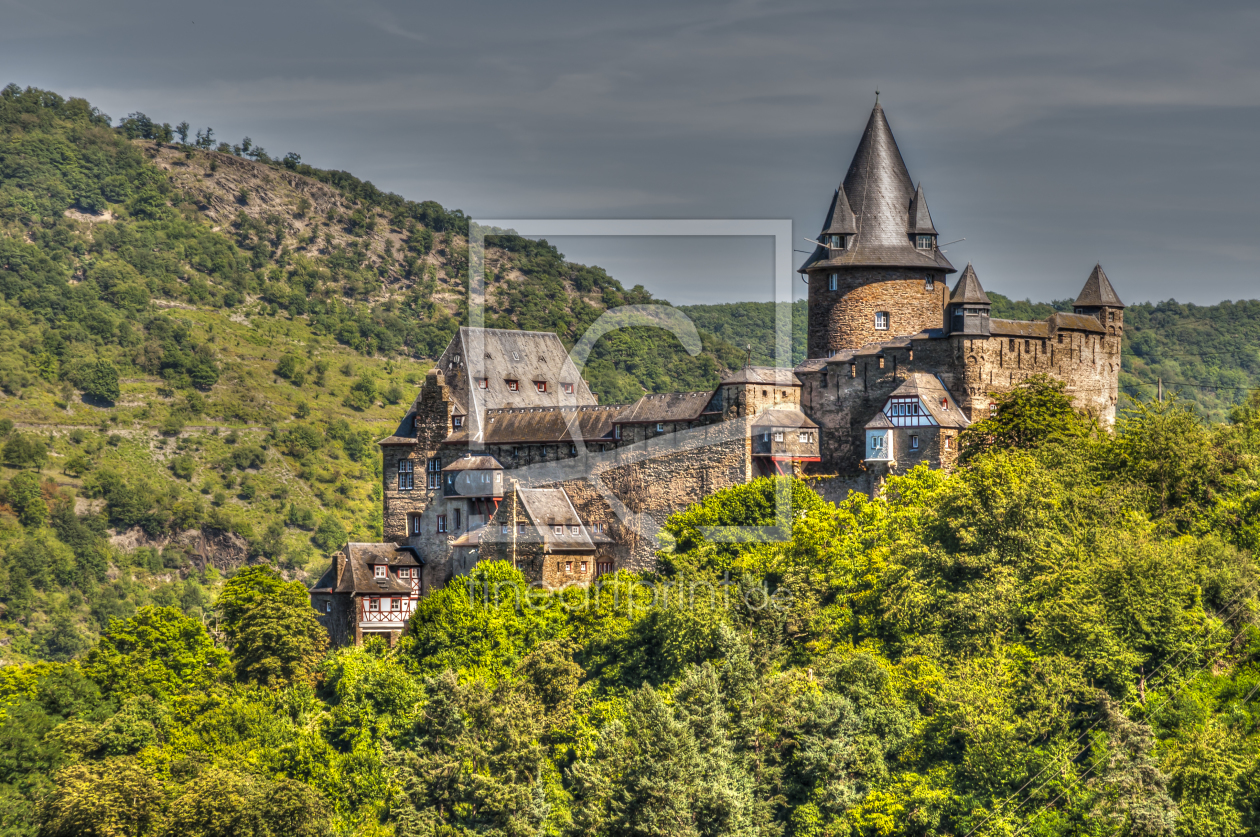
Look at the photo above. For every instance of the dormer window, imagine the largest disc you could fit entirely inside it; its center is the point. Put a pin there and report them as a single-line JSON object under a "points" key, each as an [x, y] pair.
{"points": [[836, 242], [457, 422], [568, 388], [541, 386], [483, 383], [513, 386], [380, 570], [924, 242]]}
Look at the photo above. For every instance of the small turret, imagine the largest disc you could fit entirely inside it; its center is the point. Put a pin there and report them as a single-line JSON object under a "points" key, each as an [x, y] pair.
{"points": [[969, 306], [1098, 299]]}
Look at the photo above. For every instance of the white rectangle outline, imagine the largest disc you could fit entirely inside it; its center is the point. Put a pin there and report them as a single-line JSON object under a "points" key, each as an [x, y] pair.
{"points": [[779, 229]]}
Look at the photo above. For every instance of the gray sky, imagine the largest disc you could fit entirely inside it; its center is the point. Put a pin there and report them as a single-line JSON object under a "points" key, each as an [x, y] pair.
{"points": [[1051, 134]]}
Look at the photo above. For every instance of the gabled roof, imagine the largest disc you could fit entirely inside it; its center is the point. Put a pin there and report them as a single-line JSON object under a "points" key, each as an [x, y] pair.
{"points": [[405, 434], [879, 422], [783, 418], [1076, 322], [931, 392], [537, 425], [920, 218], [769, 375], [358, 575], [1098, 291], [880, 194], [1020, 328], [474, 463], [968, 289], [550, 507], [673, 406], [840, 220]]}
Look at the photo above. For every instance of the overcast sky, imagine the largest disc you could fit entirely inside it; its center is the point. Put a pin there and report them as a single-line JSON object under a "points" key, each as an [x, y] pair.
{"points": [[1050, 134]]}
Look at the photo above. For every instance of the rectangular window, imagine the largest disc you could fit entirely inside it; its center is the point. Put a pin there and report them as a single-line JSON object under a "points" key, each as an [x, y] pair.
{"points": [[574, 530], [836, 242], [434, 472], [617, 432], [380, 570], [660, 428], [458, 514], [327, 607], [557, 529], [406, 474], [947, 443], [914, 443], [852, 370], [992, 409], [568, 566], [881, 320], [929, 283], [923, 242], [395, 604], [573, 450], [374, 604], [503, 529], [520, 528], [583, 566], [568, 388], [541, 386], [597, 527], [513, 386], [833, 281], [457, 422], [441, 523], [415, 524], [804, 437], [483, 383], [778, 436], [404, 572]]}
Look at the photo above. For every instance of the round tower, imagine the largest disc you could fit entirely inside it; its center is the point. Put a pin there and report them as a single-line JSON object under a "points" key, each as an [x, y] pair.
{"points": [[877, 272]]}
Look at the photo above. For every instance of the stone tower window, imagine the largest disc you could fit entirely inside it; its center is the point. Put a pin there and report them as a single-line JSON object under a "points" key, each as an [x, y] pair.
{"points": [[881, 321], [836, 242], [914, 443], [406, 474], [833, 281], [923, 242], [852, 370], [929, 283], [881, 361], [434, 472]]}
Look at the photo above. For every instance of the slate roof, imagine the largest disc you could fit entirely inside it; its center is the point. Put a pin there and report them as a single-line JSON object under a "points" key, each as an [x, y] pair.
{"points": [[1078, 322], [881, 196], [673, 406], [1020, 328], [840, 218], [474, 463], [931, 391], [548, 507], [968, 289], [783, 418], [879, 422], [358, 576], [920, 218], [762, 375], [537, 425], [405, 434], [1098, 291]]}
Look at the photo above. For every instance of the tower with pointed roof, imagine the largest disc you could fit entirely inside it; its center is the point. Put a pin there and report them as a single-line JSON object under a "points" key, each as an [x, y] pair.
{"points": [[876, 271], [968, 310], [1098, 299]]}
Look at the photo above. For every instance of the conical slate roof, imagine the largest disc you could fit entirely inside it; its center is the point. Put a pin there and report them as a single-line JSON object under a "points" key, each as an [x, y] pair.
{"points": [[881, 195], [920, 218], [1098, 291], [968, 288], [840, 220]]}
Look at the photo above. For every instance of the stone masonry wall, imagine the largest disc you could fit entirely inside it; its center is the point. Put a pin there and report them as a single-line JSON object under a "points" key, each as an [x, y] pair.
{"points": [[845, 318]]}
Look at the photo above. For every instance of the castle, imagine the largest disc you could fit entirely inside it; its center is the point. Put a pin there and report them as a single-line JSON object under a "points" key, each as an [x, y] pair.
{"points": [[506, 453]]}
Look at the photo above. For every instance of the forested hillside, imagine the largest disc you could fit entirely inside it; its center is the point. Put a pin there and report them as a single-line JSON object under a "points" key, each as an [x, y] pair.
{"points": [[1058, 638]]}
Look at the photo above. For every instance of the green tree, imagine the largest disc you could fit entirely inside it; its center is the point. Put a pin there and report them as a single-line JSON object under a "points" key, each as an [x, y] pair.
{"points": [[158, 652], [26, 496], [110, 798], [25, 450], [331, 535], [273, 631], [1037, 412], [100, 381]]}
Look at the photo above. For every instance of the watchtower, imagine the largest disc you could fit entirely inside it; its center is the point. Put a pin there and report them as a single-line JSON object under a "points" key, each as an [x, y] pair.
{"points": [[876, 272]]}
